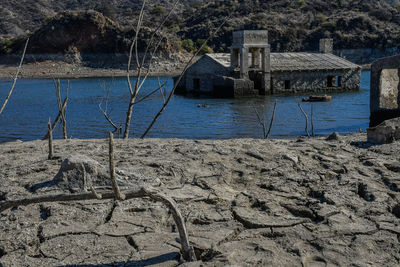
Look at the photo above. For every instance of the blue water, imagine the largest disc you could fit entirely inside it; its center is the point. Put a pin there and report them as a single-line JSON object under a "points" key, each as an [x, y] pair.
{"points": [[34, 102]]}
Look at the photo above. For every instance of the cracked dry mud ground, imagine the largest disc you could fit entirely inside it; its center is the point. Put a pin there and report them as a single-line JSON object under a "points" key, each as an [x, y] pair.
{"points": [[304, 202]]}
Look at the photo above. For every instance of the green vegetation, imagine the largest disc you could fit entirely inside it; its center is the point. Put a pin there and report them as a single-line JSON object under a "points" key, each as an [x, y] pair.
{"points": [[292, 25], [106, 8], [158, 11], [302, 2]]}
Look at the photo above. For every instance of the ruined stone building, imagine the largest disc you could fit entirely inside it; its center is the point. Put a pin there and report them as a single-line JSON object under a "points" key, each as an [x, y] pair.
{"points": [[385, 90], [251, 69]]}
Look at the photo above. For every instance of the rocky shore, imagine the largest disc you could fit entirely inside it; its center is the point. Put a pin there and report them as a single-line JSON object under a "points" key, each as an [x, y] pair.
{"points": [[54, 69], [246, 202]]}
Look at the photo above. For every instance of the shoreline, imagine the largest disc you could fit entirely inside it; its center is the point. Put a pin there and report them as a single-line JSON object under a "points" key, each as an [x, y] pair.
{"points": [[57, 69], [63, 70]]}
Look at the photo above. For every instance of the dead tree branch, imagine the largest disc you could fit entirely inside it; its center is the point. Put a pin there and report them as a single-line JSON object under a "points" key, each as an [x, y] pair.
{"points": [[139, 80], [306, 117], [61, 111], [272, 121], [50, 134], [15, 78], [62, 108], [312, 120], [261, 121], [115, 187], [187, 250], [180, 78], [105, 110]]}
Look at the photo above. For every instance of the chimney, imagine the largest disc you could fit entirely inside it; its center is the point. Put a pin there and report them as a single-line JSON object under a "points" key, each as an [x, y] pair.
{"points": [[326, 46]]}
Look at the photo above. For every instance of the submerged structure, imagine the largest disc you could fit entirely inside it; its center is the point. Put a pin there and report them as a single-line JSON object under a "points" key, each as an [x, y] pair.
{"points": [[251, 69], [385, 90]]}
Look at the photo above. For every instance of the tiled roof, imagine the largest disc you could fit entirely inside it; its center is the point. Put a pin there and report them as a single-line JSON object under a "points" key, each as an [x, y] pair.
{"points": [[301, 61]]}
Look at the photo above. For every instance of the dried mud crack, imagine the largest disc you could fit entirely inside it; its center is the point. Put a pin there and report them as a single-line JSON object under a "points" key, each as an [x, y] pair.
{"points": [[245, 202]]}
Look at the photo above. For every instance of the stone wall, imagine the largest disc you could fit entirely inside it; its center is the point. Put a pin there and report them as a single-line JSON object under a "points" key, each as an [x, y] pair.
{"points": [[202, 73], [314, 81], [385, 87]]}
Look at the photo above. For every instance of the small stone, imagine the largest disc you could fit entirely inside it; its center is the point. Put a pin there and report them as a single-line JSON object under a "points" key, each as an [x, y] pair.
{"points": [[333, 136]]}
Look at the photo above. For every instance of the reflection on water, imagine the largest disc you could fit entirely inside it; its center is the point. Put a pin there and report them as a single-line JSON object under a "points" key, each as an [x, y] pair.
{"points": [[34, 101]]}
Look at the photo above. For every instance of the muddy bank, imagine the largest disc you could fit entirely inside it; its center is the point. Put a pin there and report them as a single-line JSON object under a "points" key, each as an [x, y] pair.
{"points": [[301, 202], [103, 67]]}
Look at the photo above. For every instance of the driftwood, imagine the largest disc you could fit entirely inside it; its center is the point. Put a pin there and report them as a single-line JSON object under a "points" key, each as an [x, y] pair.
{"points": [[306, 117], [15, 78], [187, 250]]}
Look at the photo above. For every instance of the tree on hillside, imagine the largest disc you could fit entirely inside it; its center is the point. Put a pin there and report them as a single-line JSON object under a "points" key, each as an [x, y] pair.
{"points": [[107, 8]]}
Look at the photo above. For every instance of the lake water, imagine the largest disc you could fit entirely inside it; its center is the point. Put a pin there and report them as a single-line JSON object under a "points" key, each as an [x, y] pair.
{"points": [[34, 101]]}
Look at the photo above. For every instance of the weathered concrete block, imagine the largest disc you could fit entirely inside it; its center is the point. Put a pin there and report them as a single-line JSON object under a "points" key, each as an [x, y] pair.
{"points": [[386, 132], [385, 87]]}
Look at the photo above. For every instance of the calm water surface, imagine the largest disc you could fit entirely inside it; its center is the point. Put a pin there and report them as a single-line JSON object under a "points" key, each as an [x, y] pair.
{"points": [[34, 101]]}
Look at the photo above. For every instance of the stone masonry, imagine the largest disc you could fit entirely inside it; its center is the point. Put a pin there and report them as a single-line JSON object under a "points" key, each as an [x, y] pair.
{"points": [[385, 87]]}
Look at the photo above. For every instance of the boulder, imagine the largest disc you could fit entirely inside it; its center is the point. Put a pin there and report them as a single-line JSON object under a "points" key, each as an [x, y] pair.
{"points": [[79, 172], [386, 132]]}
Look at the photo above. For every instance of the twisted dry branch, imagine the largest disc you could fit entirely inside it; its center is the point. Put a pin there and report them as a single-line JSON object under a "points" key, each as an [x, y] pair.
{"points": [[187, 250]]}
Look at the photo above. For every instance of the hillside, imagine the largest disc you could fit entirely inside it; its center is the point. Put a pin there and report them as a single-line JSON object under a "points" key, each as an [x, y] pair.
{"points": [[293, 25]]}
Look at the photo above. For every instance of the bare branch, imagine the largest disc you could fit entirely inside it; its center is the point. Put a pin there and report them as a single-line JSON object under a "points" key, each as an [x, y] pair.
{"points": [[139, 81], [312, 120], [180, 78], [306, 117], [50, 133], [115, 187], [272, 121], [104, 111], [261, 121], [61, 109], [15, 78], [151, 93], [57, 119]]}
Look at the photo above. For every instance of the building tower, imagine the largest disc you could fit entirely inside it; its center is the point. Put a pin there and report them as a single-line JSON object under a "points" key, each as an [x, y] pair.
{"points": [[256, 44]]}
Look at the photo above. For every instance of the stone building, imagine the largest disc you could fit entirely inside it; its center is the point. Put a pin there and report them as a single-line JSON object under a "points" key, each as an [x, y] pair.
{"points": [[385, 90], [251, 69]]}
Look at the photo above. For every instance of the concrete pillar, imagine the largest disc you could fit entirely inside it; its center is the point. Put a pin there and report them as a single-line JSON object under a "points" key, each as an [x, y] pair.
{"points": [[255, 58], [266, 59], [234, 58], [326, 46], [244, 62], [266, 71]]}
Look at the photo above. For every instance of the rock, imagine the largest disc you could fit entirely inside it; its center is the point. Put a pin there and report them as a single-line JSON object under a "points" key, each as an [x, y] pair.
{"points": [[333, 136], [386, 132], [73, 169], [294, 159]]}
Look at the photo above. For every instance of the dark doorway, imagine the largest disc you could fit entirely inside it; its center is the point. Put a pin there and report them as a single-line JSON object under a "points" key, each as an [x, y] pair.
{"points": [[196, 84], [271, 85], [331, 81], [287, 84], [339, 81]]}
